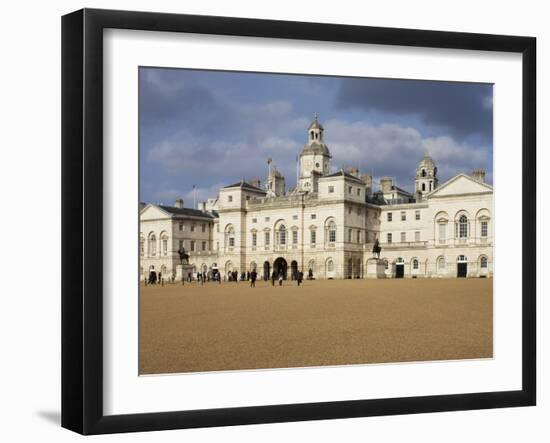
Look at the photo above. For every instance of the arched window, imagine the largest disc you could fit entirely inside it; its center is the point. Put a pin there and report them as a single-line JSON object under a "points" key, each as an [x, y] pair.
{"points": [[415, 264], [423, 173], [463, 226], [386, 265], [152, 244], [330, 266], [229, 237], [164, 243], [441, 264], [423, 186], [281, 235], [483, 262], [330, 231]]}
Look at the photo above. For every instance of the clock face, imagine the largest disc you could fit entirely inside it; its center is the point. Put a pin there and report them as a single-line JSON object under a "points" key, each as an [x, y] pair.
{"points": [[316, 165]]}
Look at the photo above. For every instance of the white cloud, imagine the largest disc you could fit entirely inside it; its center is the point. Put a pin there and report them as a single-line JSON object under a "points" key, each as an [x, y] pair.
{"points": [[385, 149]]}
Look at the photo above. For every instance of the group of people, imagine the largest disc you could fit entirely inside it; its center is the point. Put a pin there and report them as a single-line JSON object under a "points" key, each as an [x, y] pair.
{"points": [[154, 279], [215, 275]]}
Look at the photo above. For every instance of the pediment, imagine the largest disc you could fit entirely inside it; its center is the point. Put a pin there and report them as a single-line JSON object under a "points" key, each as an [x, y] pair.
{"points": [[153, 212], [459, 185]]}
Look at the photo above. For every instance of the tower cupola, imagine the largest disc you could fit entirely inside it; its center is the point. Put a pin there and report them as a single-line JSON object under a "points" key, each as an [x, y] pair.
{"points": [[315, 157], [426, 177]]}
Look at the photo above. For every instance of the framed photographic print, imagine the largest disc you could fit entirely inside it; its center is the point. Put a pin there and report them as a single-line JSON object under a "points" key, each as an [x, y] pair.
{"points": [[269, 221]]}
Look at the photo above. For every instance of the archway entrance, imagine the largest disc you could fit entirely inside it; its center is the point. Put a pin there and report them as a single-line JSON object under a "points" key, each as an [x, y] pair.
{"points": [[399, 268], [293, 270], [461, 266], [280, 266], [266, 270]]}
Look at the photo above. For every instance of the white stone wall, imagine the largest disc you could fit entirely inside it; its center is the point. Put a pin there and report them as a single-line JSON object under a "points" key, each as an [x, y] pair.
{"points": [[348, 254]]}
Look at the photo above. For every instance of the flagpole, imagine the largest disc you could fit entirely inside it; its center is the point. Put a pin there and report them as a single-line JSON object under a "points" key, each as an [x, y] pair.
{"points": [[297, 171], [194, 197]]}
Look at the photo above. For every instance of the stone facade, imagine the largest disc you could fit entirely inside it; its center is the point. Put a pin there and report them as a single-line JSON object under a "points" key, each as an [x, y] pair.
{"points": [[328, 224]]}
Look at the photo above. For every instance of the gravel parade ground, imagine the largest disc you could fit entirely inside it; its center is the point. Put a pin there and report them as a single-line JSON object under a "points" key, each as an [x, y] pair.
{"points": [[230, 326]]}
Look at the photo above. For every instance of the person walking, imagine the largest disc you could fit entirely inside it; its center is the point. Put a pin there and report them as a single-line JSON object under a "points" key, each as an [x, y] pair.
{"points": [[253, 276], [273, 276], [281, 278], [299, 277]]}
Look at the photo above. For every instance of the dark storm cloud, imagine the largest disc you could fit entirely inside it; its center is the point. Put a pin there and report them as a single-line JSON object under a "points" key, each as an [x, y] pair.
{"points": [[463, 111]]}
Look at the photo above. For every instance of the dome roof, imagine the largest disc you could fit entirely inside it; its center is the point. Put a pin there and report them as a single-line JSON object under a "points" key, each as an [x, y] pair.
{"points": [[315, 123], [316, 148], [426, 163]]}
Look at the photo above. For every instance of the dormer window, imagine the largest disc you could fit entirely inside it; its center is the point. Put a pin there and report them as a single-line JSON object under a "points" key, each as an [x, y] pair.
{"points": [[229, 198]]}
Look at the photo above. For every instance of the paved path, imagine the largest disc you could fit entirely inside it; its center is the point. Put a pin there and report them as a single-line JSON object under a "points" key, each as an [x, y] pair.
{"points": [[231, 326]]}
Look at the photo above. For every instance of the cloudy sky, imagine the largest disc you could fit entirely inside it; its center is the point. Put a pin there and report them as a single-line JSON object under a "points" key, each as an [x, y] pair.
{"points": [[211, 128]]}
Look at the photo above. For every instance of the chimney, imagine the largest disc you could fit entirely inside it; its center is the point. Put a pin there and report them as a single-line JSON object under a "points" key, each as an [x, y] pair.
{"points": [[479, 175], [179, 203], [255, 182], [386, 184], [354, 172], [367, 178]]}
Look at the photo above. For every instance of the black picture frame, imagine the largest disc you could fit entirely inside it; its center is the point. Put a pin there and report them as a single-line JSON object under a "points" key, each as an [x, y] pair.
{"points": [[82, 218]]}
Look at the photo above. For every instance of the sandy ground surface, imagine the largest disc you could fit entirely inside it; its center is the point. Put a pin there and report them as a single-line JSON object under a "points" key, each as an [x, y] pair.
{"points": [[232, 326]]}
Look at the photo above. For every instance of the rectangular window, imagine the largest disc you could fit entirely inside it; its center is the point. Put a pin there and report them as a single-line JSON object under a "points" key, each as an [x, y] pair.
{"points": [[295, 237], [231, 242], [390, 216], [359, 192], [164, 247], [267, 239], [193, 227], [350, 233], [192, 245], [313, 216], [181, 244], [417, 236], [229, 198], [403, 237], [254, 220], [331, 189], [266, 219], [294, 217], [403, 216], [484, 228], [389, 237], [358, 236], [181, 226], [218, 245], [254, 239], [417, 214], [332, 235], [204, 246], [313, 237], [349, 210], [350, 189], [203, 227]]}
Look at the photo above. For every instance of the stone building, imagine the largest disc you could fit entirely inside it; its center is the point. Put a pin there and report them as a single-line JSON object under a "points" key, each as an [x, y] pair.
{"points": [[328, 224]]}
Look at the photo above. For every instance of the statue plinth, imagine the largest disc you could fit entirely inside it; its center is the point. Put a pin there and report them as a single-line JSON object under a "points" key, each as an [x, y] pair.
{"points": [[183, 271], [375, 268]]}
